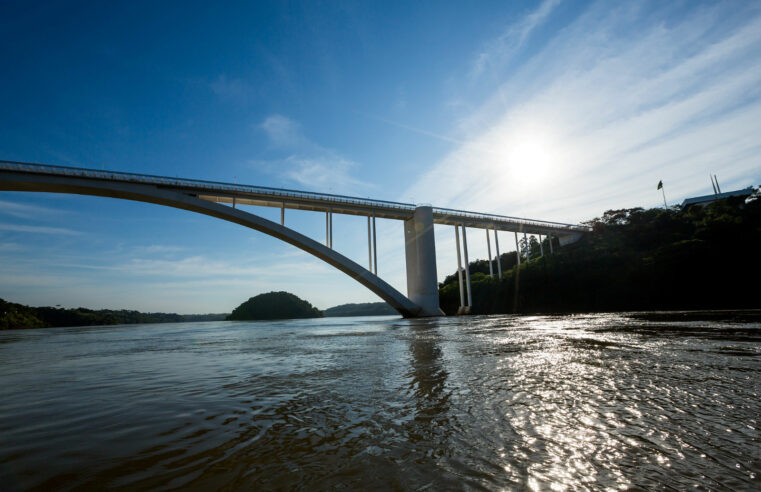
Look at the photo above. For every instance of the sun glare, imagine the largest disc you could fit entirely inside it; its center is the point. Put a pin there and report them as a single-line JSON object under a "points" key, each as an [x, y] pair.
{"points": [[529, 161]]}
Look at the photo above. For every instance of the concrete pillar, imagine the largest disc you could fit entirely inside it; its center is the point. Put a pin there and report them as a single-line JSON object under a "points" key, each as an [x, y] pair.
{"points": [[499, 260], [330, 214], [528, 247], [459, 268], [327, 229], [467, 266], [375, 250], [488, 249], [233, 202], [541, 247], [420, 256], [282, 214], [550, 238], [369, 247], [517, 250]]}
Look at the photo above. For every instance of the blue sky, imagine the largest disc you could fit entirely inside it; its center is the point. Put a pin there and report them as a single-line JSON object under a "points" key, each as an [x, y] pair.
{"points": [[557, 110]]}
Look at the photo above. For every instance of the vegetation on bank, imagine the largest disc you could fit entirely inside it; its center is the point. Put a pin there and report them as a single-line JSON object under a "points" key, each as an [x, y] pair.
{"points": [[361, 309], [13, 316], [274, 305], [635, 259]]}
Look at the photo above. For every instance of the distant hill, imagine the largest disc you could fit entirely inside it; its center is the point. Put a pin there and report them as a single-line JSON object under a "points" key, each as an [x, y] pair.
{"points": [[204, 317], [361, 309], [274, 305]]}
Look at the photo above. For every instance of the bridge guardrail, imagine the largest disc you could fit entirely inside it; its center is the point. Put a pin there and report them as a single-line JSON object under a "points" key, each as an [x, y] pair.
{"points": [[281, 193], [450, 212], [199, 184]]}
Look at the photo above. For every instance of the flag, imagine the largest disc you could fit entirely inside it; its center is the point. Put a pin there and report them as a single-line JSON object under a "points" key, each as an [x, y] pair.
{"points": [[660, 184]]}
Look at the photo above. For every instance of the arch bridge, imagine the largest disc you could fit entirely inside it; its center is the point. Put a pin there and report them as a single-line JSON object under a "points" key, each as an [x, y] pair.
{"points": [[220, 200]]}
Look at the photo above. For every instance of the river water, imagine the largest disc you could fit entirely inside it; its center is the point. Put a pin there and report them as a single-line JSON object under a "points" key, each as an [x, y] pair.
{"points": [[600, 401]]}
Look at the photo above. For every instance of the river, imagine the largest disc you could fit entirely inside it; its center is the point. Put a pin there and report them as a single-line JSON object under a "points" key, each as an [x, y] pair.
{"points": [[598, 401]]}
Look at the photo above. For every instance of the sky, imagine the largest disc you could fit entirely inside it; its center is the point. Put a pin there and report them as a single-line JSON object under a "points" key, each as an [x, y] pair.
{"points": [[555, 110]]}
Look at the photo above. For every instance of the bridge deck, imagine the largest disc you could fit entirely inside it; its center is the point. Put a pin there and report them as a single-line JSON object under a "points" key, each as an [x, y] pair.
{"points": [[301, 200]]}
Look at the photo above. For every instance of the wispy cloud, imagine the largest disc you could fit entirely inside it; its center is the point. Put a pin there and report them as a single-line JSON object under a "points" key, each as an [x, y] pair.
{"points": [[10, 247], [158, 249], [307, 163], [38, 229], [283, 132], [500, 50], [26, 211], [614, 102]]}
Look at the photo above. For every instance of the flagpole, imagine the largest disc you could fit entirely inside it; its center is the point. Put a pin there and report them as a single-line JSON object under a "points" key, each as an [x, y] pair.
{"points": [[663, 190]]}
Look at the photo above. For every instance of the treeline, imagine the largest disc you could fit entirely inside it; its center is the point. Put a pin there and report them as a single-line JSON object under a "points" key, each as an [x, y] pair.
{"points": [[635, 259], [14, 316], [361, 309]]}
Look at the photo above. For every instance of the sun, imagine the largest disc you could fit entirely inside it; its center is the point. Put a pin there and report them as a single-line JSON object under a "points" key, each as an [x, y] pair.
{"points": [[530, 161]]}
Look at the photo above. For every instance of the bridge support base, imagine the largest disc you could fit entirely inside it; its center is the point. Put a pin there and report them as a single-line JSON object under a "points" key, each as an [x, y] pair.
{"points": [[420, 256]]}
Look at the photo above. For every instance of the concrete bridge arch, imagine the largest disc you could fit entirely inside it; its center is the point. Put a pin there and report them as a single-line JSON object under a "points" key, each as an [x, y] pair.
{"points": [[172, 198]]}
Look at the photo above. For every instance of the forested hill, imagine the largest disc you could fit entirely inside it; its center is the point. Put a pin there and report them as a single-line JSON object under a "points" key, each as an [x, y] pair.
{"points": [[636, 259], [14, 316], [274, 305], [361, 309]]}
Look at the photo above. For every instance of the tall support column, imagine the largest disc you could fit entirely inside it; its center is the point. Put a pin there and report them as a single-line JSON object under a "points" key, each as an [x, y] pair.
{"points": [[459, 267], [541, 247], [330, 212], [420, 256], [517, 250], [550, 238], [233, 202], [282, 214], [528, 247], [499, 259], [488, 249], [375, 249], [467, 266], [327, 229], [369, 247]]}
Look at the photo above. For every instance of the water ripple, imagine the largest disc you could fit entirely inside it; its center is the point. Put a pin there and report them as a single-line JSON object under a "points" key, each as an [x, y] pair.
{"points": [[581, 402]]}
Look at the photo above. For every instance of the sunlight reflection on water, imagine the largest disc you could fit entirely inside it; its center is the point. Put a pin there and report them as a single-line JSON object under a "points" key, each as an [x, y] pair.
{"points": [[602, 401]]}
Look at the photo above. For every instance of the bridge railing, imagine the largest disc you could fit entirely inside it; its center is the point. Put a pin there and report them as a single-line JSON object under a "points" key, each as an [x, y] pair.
{"points": [[506, 219], [202, 185], [280, 194]]}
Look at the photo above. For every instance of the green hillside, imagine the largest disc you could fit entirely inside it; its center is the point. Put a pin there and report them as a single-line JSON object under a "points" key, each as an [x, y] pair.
{"points": [[361, 309], [274, 305], [635, 259]]}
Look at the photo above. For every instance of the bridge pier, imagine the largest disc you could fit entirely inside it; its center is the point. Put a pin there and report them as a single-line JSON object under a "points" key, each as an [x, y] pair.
{"points": [[420, 256], [499, 261], [517, 250], [375, 250], [488, 249], [459, 270], [541, 247]]}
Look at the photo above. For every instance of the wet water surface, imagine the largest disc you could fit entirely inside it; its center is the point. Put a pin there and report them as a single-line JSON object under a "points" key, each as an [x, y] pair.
{"points": [[602, 401]]}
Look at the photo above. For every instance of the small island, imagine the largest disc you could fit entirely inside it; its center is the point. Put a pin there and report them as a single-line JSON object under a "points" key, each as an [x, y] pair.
{"points": [[274, 305]]}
